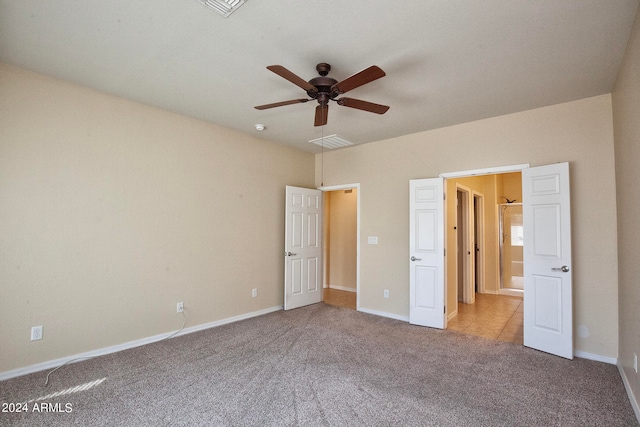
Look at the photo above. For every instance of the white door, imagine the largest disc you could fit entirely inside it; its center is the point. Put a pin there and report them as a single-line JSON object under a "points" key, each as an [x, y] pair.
{"points": [[548, 319], [303, 247], [426, 252]]}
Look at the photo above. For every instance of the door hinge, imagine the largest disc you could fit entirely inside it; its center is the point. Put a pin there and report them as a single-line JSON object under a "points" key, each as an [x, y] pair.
{"points": [[445, 309], [445, 252]]}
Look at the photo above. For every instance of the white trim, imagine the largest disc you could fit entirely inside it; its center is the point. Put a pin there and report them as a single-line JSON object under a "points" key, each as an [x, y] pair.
{"points": [[595, 357], [627, 386], [468, 295], [343, 288], [485, 171], [480, 233], [346, 187], [384, 314], [511, 292], [128, 345]]}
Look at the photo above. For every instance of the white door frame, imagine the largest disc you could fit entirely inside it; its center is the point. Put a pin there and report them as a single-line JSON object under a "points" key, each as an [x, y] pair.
{"points": [[485, 171], [465, 263], [478, 218], [480, 172], [346, 187]]}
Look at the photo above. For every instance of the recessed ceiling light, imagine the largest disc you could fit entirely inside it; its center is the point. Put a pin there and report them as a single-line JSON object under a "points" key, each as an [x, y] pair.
{"points": [[260, 126], [223, 7]]}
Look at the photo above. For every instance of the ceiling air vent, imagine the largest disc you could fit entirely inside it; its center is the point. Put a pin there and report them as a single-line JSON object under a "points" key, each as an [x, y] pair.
{"points": [[331, 142], [223, 7]]}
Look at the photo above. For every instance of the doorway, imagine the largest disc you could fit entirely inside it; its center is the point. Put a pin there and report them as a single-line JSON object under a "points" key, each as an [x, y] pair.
{"points": [[482, 307], [464, 242], [511, 235], [547, 312], [341, 246]]}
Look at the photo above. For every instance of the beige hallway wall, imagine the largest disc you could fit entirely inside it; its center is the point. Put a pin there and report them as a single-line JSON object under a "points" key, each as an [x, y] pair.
{"points": [[579, 132], [342, 239]]}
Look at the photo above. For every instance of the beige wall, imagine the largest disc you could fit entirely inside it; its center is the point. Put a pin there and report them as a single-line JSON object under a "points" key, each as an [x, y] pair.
{"points": [[626, 119], [341, 248], [509, 186], [111, 212], [579, 132]]}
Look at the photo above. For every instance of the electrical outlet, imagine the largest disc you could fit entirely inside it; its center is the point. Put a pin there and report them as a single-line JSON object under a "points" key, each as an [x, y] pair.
{"points": [[635, 362], [254, 293], [386, 293], [180, 307], [36, 333]]}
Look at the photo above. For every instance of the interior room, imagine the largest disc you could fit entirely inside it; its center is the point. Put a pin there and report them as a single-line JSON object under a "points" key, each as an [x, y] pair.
{"points": [[143, 176]]}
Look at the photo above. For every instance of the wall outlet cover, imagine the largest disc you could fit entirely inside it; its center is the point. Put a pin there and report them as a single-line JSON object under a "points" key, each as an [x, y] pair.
{"points": [[36, 333]]}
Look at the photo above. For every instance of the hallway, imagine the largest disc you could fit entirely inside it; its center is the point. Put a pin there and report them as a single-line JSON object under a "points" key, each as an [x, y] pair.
{"points": [[491, 316], [339, 298]]}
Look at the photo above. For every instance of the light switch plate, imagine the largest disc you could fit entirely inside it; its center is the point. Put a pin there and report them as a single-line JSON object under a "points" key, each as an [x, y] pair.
{"points": [[372, 240]]}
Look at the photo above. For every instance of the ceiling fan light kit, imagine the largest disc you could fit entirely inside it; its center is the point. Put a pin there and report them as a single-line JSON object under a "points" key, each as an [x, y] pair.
{"points": [[324, 89]]}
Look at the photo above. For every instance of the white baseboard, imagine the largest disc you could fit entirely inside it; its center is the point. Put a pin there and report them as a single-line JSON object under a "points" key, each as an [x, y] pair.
{"points": [[596, 357], [511, 292], [632, 396], [384, 314], [342, 288], [131, 344]]}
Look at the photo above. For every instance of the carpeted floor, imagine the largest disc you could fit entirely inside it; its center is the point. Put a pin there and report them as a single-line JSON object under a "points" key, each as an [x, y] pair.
{"points": [[324, 366]]}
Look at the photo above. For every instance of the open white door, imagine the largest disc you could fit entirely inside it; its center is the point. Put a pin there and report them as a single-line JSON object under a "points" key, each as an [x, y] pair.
{"points": [[426, 252], [303, 247], [548, 318]]}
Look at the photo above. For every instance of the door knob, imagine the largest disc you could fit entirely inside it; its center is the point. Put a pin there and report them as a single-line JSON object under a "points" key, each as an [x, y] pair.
{"points": [[289, 254], [564, 269], [415, 259]]}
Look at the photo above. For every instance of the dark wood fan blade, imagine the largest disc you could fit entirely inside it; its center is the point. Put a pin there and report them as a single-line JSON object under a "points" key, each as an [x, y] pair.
{"points": [[362, 105], [280, 104], [363, 77], [321, 115], [298, 81]]}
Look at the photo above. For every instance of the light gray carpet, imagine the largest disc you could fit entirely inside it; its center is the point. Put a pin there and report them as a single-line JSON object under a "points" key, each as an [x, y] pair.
{"points": [[327, 366]]}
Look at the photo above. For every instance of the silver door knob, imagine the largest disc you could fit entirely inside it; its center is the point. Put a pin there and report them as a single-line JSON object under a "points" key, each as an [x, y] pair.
{"points": [[289, 254], [564, 269], [415, 259]]}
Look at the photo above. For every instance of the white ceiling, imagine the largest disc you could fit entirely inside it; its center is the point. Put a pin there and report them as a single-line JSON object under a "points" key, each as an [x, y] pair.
{"points": [[447, 61]]}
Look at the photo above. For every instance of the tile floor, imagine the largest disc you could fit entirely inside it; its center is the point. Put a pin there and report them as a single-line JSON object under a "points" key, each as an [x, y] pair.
{"points": [[491, 316], [339, 298]]}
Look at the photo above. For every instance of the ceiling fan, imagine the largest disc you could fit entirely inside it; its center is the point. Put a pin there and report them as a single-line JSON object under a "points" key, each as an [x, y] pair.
{"points": [[325, 89]]}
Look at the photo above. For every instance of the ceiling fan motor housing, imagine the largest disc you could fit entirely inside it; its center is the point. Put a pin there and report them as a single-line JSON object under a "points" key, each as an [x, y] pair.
{"points": [[324, 89], [323, 84]]}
